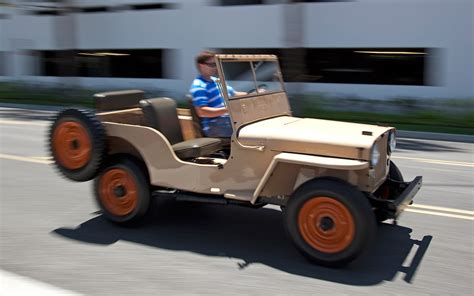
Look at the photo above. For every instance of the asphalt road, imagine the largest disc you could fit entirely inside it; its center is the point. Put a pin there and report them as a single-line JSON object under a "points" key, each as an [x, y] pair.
{"points": [[51, 232]]}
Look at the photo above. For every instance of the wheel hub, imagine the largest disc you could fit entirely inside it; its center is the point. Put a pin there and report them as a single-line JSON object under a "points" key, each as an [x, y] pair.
{"points": [[75, 144], [326, 224], [120, 191], [72, 145]]}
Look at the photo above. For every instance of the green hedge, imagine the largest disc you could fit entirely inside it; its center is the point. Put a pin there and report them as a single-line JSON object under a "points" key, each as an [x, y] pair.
{"points": [[435, 115]]}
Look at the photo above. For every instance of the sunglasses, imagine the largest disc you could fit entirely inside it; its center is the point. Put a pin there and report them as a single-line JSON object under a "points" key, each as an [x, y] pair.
{"points": [[212, 65]]}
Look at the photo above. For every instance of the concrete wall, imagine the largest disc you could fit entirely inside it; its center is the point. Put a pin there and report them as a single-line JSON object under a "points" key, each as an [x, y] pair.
{"points": [[444, 26]]}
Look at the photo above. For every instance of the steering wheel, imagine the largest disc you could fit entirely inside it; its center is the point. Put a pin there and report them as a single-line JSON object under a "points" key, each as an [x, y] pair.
{"points": [[262, 86]]}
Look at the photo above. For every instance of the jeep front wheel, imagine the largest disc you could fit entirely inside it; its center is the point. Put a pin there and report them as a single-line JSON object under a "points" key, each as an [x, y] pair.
{"points": [[330, 222]]}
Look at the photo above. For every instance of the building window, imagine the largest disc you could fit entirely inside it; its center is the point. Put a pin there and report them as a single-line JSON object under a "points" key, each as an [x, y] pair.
{"points": [[316, 1], [119, 63], [153, 6], [394, 66], [93, 9], [57, 63], [50, 12], [239, 2], [2, 63]]}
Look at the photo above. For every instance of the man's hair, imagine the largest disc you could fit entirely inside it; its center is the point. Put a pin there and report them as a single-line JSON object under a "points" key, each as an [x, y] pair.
{"points": [[203, 56]]}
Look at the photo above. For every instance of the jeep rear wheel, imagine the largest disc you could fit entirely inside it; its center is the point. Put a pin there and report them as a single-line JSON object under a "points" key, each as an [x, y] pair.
{"points": [[330, 222], [122, 191], [77, 144]]}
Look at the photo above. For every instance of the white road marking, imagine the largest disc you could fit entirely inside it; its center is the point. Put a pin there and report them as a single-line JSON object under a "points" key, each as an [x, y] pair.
{"points": [[437, 161], [18, 122], [443, 209], [440, 214], [43, 157], [413, 208], [432, 168], [39, 159], [13, 284]]}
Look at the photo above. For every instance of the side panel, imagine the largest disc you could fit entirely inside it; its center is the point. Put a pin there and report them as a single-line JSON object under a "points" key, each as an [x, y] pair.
{"points": [[240, 173]]}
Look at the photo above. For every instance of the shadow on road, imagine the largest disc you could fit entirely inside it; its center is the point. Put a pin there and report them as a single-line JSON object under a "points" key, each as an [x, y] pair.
{"points": [[420, 145], [254, 236]]}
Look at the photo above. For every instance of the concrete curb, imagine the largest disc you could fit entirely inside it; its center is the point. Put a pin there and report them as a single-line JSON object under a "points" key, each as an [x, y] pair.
{"points": [[400, 133]]}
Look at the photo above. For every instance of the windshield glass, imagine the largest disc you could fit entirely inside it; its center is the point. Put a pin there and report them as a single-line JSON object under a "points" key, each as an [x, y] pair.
{"points": [[251, 77]]}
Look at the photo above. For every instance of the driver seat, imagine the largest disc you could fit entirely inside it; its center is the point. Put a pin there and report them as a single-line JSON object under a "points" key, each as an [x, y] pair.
{"points": [[197, 122], [160, 114]]}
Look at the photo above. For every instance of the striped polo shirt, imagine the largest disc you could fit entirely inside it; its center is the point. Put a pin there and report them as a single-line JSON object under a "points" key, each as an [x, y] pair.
{"points": [[207, 94]]}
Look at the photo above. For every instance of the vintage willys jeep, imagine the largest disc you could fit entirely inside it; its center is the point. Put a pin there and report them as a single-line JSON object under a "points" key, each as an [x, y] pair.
{"points": [[333, 180]]}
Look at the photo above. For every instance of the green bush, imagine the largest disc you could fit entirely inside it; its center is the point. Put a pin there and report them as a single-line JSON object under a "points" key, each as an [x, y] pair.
{"points": [[436, 115], [432, 115]]}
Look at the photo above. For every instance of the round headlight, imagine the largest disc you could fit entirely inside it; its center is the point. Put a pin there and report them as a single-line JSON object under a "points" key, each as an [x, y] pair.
{"points": [[375, 156], [392, 142]]}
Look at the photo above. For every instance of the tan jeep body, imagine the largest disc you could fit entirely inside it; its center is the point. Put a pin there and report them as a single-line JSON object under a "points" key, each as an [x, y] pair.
{"points": [[333, 180], [271, 151]]}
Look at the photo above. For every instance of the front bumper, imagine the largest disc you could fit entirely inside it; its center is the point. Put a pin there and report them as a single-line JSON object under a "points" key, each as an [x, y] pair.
{"points": [[405, 192], [407, 195]]}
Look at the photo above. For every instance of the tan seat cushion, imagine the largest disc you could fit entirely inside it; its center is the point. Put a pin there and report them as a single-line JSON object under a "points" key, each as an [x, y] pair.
{"points": [[197, 147]]}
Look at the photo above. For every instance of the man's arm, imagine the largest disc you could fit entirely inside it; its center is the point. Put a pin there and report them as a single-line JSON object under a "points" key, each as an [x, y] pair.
{"points": [[240, 93], [207, 111]]}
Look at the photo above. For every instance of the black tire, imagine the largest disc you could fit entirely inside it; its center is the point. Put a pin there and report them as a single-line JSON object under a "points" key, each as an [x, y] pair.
{"points": [[77, 144], [329, 221], [122, 190], [395, 175]]}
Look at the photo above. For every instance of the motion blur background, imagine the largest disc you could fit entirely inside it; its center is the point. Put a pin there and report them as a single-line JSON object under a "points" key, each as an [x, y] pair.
{"points": [[390, 56]]}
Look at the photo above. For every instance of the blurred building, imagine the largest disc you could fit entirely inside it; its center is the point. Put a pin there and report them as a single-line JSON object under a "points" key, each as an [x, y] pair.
{"points": [[366, 48]]}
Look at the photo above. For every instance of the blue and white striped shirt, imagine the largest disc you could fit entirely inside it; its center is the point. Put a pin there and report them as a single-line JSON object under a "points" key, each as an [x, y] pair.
{"points": [[207, 94]]}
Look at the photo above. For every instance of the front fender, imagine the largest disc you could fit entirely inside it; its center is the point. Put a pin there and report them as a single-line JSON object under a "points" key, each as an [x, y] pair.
{"points": [[284, 167]]}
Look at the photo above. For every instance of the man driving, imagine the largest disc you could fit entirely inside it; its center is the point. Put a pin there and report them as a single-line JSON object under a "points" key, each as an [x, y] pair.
{"points": [[207, 98]]}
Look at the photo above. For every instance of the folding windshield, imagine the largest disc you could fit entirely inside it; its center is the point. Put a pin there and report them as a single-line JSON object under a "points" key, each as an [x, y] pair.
{"points": [[244, 78]]}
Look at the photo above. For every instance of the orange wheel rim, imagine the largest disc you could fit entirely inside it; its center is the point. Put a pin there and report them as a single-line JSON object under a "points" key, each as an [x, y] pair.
{"points": [[72, 145], [326, 224], [118, 192]]}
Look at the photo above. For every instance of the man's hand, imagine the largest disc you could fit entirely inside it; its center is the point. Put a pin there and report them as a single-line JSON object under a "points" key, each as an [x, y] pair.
{"points": [[240, 93]]}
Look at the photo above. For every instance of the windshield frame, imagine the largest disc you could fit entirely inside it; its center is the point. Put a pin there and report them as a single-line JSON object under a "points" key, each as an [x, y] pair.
{"points": [[222, 82]]}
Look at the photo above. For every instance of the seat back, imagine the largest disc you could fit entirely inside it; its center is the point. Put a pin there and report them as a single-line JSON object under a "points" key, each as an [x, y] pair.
{"points": [[117, 100], [196, 120], [160, 113]]}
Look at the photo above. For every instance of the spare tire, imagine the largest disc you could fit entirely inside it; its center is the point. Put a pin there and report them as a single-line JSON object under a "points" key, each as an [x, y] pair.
{"points": [[77, 144]]}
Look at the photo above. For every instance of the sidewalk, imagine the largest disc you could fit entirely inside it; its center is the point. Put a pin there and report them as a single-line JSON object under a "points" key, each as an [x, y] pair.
{"points": [[42, 111]]}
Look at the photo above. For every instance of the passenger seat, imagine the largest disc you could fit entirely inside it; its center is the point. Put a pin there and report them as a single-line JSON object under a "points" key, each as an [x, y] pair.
{"points": [[161, 114]]}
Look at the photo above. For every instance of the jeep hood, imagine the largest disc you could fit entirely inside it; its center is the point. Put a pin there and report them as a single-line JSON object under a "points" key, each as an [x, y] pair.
{"points": [[313, 136]]}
